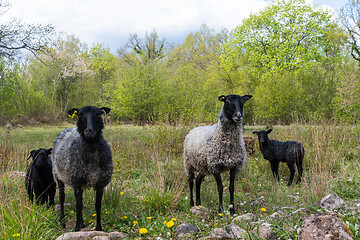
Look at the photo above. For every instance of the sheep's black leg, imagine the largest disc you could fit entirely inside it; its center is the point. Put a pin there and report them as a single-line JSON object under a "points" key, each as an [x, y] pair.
{"points": [[299, 167], [52, 191], [99, 194], [292, 172], [79, 206], [220, 188], [274, 169], [191, 186], [62, 200], [233, 173], [199, 180]]}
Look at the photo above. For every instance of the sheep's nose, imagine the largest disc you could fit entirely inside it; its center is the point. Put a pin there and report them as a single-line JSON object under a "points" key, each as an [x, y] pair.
{"points": [[237, 117], [89, 132]]}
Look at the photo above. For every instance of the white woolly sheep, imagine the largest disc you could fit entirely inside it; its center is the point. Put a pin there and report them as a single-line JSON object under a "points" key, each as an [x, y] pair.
{"points": [[290, 152], [211, 150], [82, 158]]}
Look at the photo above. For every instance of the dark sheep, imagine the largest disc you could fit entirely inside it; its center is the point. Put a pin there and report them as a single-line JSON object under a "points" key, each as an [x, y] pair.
{"points": [[82, 159], [290, 152], [39, 179], [211, 150]]}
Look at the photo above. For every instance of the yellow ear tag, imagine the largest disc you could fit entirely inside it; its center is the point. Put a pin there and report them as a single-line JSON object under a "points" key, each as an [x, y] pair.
{"points": [[222, 98], [74, 114]]}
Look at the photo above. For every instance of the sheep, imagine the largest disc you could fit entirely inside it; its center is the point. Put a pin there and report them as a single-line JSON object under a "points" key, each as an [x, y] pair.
{"points": [[211, 150], [290, 152], [39, 179], [82, 158]]}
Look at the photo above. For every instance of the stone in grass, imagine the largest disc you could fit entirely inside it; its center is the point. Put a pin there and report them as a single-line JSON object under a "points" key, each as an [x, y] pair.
{"points": [[249, 217], [333, 201], [264, 233], [185, 229], [219, 234], [92, 235], [236, 232], [324, 226], [200, 211]]}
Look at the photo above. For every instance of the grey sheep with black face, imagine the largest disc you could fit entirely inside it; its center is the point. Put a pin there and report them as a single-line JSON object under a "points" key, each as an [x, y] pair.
{"points": [[82, 159], [290, 152], [211, 150]]}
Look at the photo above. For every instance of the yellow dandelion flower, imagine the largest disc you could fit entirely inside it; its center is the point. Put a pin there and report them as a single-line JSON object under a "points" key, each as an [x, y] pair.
{"points": [[165, 222], [16, 235], [145, 200], [94, 215], [143, 231], [125, 217], [200, 206], [149, 218], [220, 214], [170, 224], [135, 222], [263, 209], [173, 219], [121, 193]]}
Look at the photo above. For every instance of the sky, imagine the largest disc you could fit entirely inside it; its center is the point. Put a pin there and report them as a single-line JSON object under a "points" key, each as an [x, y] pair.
{"points": [[110, 22]]}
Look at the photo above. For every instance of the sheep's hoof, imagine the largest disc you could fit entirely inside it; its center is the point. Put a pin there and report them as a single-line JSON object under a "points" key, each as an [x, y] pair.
{"points": [[232, 210], [98, 228]]}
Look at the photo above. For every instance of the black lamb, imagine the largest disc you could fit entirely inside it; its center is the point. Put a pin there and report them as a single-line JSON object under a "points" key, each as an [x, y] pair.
{"points": [[290, 152], [39, 179], [82, 159]]}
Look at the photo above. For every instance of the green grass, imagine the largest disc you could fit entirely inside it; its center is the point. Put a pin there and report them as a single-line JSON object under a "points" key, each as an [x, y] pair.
{"points": [[149, 185]]}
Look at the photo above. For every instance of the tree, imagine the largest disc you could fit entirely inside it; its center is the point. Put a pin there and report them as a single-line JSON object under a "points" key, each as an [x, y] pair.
{"points": [[16, 36], [103, 66], [280, 49], [350, 18], [63, 72]]}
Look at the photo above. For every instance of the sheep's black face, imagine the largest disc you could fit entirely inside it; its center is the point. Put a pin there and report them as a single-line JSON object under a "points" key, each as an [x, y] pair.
{"points": [[89, 122], [40, 157], [233, 106], [262, 135]]}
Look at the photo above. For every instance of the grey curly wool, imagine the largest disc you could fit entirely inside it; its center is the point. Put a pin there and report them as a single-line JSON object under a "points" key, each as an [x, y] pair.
{"points": [[82, 159], [210, 150]]}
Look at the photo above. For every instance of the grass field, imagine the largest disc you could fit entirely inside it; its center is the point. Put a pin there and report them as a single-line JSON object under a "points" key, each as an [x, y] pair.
{"points": [[149, 186]]}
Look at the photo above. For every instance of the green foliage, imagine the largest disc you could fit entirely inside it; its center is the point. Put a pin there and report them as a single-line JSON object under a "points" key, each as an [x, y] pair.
{"points": [[289, 51]]}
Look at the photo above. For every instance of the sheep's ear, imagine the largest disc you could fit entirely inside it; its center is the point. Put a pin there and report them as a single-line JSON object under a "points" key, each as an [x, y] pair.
{"points": [[73, 112], [49, 151], [32, 153], [105, 110], [255, 132], [269, 131], [247, 97], [222, 98]]}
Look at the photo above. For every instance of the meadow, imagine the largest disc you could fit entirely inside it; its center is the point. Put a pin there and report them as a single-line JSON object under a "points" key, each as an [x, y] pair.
{"points": [[149, 187]]}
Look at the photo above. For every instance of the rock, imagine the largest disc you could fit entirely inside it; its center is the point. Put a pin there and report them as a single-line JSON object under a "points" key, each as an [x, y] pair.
{"points": [[333, 201], [324, 226], [219, 234], [236, 232], [245, 217], [200, 211], [186, 228], [264, 233], [275, 216], [93, 235], [118, 235]]}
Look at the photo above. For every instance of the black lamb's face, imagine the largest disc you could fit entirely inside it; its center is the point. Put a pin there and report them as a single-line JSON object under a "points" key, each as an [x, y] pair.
{"points": [[89, 121], [234, 106], [40, 156], [262, 135]]}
